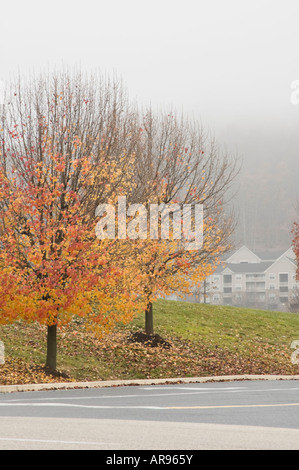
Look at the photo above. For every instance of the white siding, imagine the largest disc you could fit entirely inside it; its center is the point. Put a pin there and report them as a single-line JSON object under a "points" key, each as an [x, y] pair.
{"points": [[243, 255]]}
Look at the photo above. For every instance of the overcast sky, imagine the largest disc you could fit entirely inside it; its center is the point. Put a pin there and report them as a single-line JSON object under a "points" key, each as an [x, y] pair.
{"points": [[220, 59], [230, 63]]}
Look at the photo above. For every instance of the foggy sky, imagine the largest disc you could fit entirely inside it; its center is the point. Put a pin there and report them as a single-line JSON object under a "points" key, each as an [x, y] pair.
{"points": [[228, 63]]}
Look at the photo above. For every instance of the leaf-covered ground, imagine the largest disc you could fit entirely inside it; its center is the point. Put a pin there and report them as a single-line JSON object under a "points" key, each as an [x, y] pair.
{"points": [[198, 341]]}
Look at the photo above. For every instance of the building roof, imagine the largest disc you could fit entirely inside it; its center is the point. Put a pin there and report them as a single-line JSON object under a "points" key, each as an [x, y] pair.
{"points": [[271, 255], [263, 255], [250, 268], [267, 260]]}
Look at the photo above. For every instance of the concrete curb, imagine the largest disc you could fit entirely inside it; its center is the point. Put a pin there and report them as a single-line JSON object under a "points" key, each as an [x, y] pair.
{"points": [[119, 383]]}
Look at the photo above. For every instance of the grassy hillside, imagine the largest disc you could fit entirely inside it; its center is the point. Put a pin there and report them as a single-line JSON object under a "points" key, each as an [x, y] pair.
{"points": [[201, 340]]}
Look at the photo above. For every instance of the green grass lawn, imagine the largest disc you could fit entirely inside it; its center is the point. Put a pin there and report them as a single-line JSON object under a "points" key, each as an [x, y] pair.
{"points": [[205, 340], [224, 326]]}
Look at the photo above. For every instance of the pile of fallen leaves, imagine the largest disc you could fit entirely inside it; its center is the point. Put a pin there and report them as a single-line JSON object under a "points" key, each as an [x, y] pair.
{"points": [[16, 371], [127, 354], [181, 358]]}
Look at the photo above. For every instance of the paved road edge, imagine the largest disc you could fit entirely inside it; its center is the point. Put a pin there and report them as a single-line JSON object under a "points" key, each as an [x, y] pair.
{"points": [[118, 383]]}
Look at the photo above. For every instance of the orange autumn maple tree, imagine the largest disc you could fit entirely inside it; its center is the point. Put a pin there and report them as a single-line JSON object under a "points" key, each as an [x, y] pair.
{"points": [[52, 264], [53, 173], [166, 266], [179, 165]]}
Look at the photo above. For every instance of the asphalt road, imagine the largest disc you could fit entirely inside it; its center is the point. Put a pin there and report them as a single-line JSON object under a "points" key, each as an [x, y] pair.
{"points": [[223, 415]]}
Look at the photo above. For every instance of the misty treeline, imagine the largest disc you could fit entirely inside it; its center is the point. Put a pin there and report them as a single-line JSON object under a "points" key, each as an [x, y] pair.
{"points": [[265, 197]]}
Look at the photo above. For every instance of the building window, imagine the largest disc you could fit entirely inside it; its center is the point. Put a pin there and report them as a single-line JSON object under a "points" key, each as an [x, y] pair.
{"points": [[283, 289], [239, 277], [272, 277], [227, 290], [227, 278], [284, 277]]}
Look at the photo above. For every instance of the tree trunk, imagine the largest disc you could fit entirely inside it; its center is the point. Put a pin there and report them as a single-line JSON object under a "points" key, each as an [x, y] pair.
{"points": [[149, 319], [51, 347]]}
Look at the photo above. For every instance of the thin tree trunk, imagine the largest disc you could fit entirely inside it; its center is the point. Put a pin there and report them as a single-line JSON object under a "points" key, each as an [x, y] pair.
{"points": [[51, 347], [149, 319]]}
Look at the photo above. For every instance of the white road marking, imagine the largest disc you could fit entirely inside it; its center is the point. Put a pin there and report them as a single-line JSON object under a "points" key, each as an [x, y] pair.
{"points": [[75, 405], [143, 407], [49, 441], [230, 406], [195, 391], [194, 388]]}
